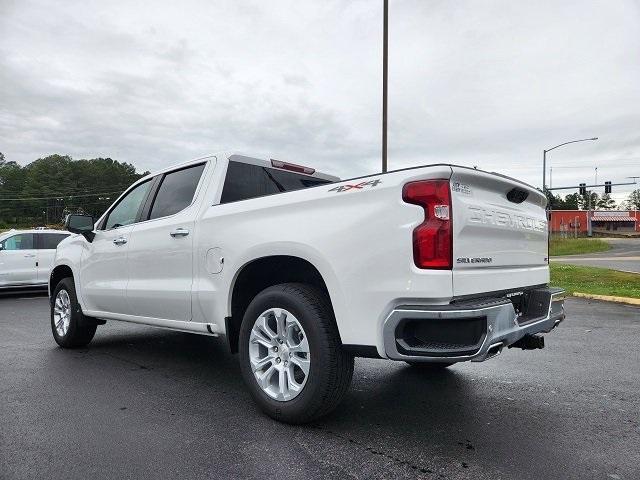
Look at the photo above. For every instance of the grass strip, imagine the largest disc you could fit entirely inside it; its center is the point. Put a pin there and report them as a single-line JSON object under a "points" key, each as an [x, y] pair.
{"points": [[594, 280], [575, 246]]}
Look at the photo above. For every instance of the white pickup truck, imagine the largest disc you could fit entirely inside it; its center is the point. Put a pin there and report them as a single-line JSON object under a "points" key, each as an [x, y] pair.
{"points": [[301, 271]]}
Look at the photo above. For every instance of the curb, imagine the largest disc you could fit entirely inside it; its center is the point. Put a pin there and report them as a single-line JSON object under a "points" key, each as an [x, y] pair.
{"points": [[608, 298]]}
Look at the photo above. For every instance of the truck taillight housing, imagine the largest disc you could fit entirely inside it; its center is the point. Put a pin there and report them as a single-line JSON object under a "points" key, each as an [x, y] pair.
{"points": [[433, 238]]}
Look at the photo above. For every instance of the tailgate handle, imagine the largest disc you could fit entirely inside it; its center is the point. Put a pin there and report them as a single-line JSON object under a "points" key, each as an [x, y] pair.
{"points": [[517, 195]]}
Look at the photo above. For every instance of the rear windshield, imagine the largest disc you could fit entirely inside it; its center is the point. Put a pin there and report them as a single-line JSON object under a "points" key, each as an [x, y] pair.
{"points": [[244, 181]]}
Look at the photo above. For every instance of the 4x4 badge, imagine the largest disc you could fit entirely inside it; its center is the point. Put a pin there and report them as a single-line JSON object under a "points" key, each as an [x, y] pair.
{"points": [[358, 186]]}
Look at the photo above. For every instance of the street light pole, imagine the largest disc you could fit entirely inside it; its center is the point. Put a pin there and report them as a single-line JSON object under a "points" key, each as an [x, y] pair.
{"points": [[385, 64], [544, 170], [544, 157], [589, 232]]}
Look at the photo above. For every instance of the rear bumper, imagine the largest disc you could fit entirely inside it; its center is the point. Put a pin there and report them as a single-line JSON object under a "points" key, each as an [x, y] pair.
{"points": [[473, 331]]}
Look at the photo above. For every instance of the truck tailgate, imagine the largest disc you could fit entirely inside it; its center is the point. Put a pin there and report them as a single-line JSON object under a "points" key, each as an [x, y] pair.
{"points": [[499, 233]]}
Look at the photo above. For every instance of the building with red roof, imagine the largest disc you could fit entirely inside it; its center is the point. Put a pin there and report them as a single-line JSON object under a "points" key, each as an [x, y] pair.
{"points": [[602, 221]]}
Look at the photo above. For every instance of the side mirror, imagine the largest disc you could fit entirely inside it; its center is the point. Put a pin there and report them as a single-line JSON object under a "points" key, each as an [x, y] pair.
{"points": [[82, 224]]}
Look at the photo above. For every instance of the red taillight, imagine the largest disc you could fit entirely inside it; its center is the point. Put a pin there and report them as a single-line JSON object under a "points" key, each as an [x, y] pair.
{"points": [[292, 167], [432, 239]]}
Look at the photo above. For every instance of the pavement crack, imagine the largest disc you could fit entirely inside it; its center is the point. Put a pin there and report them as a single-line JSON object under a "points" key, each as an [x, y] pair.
{"points": [[126, 360], [378, 452], [343, 471]]}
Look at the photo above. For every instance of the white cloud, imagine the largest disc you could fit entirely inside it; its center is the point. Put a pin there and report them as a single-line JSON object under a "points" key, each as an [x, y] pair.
{"points": [[477, 83]]}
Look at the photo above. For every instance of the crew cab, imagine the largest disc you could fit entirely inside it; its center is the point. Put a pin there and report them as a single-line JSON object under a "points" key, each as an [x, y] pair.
{"points": [[300, 271]]}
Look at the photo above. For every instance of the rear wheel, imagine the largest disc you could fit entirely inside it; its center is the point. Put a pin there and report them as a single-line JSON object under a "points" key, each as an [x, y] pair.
{"points": [[290, 353], [430, 365], [69, 326]]}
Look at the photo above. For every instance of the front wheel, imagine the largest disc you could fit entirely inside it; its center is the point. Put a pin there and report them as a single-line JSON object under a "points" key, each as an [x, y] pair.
{"points": [[291, 356], [69, 326]]}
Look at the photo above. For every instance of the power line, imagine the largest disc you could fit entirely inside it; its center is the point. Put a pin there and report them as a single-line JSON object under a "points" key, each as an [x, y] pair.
{"points": [[58, 194], [605, 167], [63, 196], [71, 192]]}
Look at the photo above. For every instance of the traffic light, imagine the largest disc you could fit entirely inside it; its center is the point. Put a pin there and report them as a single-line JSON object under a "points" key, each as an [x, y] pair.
{"points": [[607, 187], [583, 189]]}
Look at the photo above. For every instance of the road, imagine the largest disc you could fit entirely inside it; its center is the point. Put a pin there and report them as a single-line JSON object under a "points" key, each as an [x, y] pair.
{"points": [[624, 255], [143, 403]]}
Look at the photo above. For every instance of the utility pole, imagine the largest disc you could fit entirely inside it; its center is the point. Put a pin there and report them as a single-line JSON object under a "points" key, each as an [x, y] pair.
{"points": [[589, 233], [385, 65], [635, 210], [544, 170]]}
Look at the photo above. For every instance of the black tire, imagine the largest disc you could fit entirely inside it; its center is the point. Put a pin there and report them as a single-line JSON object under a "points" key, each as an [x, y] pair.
{"points": [[433, 366], [331, 368], [81, 328]]}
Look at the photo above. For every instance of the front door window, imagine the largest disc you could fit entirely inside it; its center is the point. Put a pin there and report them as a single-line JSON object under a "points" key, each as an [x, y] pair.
{"points": [[23, 241], [127, 210]]}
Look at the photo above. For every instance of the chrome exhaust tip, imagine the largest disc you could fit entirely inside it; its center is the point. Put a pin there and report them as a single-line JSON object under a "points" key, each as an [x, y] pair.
{"points": [[495, 350]]}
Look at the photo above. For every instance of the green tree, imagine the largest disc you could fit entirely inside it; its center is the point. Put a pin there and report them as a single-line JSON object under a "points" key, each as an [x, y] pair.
{"points": [[583, 200], [1, 158], [554, 202], [571, 201], [606, 202], [43, 190], [11, 183], [633, 200], [11, 179]]}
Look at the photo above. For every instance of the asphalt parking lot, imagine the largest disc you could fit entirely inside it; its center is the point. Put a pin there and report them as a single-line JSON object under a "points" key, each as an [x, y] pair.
{"points": [[148, 403]]}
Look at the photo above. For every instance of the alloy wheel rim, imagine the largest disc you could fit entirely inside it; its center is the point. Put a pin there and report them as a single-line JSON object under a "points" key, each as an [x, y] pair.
{"points": [[279, 354], [62, 312]]}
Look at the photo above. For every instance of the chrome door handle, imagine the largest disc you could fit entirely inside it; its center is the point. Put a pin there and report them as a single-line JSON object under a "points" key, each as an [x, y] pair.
{"points": [[29, 255], [179, 232], [120, 241]]}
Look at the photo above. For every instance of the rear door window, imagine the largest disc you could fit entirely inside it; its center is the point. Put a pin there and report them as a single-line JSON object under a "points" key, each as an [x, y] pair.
{"points": [[49, 241], [176, 191], [244, 181]]}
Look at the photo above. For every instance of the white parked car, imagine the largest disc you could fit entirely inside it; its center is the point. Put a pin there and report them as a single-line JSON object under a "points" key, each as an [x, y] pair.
{"points": [[26, 257], [300, 271]]}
